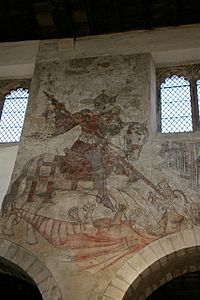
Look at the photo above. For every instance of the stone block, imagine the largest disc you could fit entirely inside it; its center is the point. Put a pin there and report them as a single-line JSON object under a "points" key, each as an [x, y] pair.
{"points": [[127, 273], [65, 44], [4, 245], [35, 269], [157, 249], [163, 261], [42, 277], [148, 291], [114, 293], [138, 263], [177, 241], [148, 255], [27, 262], [166, 244], [189, 238], [120, 284], [197, 235], [169, 276]]}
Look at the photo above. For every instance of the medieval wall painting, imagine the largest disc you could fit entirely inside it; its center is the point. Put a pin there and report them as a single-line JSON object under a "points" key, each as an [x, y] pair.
{"points": [[106, 146], [92, 201], [182, 158], [98, 223]]}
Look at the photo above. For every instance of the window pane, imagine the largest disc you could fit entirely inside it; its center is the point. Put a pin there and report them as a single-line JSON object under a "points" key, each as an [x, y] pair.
{"points": [[176, 112], [198, 95], [12, 117]]}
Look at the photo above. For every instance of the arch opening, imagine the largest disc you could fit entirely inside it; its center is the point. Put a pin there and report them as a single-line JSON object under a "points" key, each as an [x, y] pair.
{"points": [[162, 271], [184, 287], [18, 262], [15, 283]]}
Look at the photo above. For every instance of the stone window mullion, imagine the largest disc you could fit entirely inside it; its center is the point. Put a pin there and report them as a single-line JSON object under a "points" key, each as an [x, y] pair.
{"points": [[194, 104]]}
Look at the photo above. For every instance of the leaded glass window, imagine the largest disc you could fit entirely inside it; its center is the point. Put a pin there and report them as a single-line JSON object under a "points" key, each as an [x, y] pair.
{"points": [[176, 111], [179, 99], [12, 115]]}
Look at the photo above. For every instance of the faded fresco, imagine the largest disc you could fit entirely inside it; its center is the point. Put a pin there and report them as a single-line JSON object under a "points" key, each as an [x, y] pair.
{"points": [[182, 158], [98, 198]]}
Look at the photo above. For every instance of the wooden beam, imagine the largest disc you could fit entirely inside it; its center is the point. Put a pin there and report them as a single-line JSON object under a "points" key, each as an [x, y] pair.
{"points": [[90, 16], [68, 14], [118, 10], [146, 8], [62, 17], [174, 6], [8, 21], [33, 19]]}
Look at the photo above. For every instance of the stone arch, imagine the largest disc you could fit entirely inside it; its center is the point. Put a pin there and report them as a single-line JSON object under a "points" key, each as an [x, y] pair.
{"points": [[31, 268], [156, 264]]}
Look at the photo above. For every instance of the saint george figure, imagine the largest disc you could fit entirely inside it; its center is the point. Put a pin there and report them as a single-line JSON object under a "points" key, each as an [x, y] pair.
{"points": [[98, 126]]}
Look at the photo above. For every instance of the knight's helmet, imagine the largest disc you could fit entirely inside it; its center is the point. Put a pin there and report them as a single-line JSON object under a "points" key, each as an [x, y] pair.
{"points": [[101, 101]]}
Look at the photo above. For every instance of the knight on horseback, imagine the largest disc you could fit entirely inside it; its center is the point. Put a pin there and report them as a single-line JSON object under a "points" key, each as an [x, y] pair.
{"points": [[98, 126]]}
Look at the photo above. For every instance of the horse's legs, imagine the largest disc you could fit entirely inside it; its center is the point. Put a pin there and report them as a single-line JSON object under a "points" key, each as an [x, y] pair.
{"points": [[8, 228], [31, 235]]}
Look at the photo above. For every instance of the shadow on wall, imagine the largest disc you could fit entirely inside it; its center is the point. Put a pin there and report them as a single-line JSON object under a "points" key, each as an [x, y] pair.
{"points": [[13, 287], [8, 155], [15, 283], [183, 287]]}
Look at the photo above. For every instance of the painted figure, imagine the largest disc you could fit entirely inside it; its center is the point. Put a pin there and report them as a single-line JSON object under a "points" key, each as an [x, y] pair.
{"points": [[39, 178], [94, 144], [85, 242], [97, 128], [105, 145], [94, 243]]}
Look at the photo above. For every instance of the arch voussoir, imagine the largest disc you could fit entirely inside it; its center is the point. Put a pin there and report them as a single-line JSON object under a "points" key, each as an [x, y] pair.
{"points": [[33, 267], [152, 265]]}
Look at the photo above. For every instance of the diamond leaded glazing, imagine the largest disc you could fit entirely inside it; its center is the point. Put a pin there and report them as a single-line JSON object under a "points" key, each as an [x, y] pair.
{"points": [[12, 117], [176, 112]]}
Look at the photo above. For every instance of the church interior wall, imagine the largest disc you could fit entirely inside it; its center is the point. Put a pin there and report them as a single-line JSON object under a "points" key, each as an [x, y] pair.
{"points": [[92, 185]]}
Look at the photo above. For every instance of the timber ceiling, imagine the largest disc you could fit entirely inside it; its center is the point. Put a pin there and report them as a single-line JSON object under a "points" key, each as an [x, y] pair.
{"points": [[46, 19]]}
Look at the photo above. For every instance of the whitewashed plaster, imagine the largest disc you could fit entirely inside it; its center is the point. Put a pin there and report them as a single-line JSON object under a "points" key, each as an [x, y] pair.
{"points": [[7, 159]]}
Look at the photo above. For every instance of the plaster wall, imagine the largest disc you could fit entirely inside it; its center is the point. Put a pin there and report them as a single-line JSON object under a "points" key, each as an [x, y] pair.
{"points": [[7, 159], [94, 186], [8, 151], [76, 84], [167, 45], [17, 60]]}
